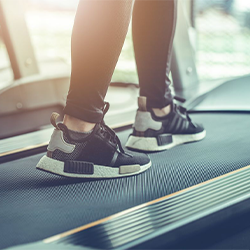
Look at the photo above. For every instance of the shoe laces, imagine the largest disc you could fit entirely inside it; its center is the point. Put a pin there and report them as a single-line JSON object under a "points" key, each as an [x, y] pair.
{"points": [[110, 133]]}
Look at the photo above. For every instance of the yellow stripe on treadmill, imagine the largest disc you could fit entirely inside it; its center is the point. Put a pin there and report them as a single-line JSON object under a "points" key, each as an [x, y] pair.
{"points": [[24, 149], [78, 229]]}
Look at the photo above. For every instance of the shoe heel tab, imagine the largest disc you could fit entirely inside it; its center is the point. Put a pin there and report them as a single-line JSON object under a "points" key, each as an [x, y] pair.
{"points": [[142, 103], [53, 119]]}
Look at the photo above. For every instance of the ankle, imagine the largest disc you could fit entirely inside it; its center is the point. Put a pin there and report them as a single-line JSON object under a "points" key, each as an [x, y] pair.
{"points": [[77, 125], [162, 112]]}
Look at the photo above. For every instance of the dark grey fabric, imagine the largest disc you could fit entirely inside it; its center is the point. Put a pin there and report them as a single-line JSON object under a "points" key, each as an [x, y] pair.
{"points": [[138, 158], [35, 205], [78, 135]]}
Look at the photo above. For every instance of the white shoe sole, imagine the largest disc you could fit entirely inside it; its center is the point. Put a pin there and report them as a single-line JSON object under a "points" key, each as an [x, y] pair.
{"points": [[150, 143], [57, 167]]}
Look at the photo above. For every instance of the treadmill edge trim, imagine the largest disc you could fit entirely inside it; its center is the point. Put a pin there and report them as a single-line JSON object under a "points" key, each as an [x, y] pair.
{"points": [[136, 208]]}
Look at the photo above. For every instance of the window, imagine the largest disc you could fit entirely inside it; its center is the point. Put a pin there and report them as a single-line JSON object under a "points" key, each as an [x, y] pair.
{"points": [[223, 38]]}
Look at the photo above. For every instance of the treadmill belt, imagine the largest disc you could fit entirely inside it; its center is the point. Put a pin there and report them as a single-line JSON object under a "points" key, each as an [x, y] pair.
{"points": [[233, 95], [35, 205]]}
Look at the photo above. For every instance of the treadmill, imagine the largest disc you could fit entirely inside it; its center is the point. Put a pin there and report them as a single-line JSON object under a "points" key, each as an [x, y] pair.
{"points": [[195, 196]]}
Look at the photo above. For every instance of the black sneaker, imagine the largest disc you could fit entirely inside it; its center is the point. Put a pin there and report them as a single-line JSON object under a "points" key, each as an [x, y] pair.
{"points": [[98, 155], [152, 133]]}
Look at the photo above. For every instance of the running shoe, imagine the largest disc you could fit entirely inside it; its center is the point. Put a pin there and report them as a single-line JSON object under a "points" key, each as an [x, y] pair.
{"points": [[152, 133], [98, 155]]}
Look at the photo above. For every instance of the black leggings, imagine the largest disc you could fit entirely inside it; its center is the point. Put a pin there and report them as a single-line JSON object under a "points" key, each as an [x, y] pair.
{"points": [[98, 35]]}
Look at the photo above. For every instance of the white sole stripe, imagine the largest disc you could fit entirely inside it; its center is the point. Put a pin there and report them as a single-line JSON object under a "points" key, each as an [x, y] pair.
{"points": [[150, 143], [57, 167]]}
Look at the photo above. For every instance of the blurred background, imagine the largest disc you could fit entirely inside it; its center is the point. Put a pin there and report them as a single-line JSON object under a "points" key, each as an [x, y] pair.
{"points": [[221, 38]]}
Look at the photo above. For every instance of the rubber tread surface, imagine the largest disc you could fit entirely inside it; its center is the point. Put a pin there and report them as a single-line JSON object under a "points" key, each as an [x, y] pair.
{"points": [[35, 205], [233, 95]]}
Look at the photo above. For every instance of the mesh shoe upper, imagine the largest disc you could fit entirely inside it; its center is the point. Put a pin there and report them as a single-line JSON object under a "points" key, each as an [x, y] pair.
{"points": [[101, 147], [176, 122], [138, 158]]}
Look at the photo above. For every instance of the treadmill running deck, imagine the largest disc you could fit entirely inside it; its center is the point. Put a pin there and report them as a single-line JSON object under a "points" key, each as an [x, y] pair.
{"points": [[36, 205]]}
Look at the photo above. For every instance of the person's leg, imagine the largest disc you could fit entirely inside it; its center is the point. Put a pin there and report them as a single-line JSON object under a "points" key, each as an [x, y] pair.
{"points": [[98, 36], [154, 23], [160, 124]]}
